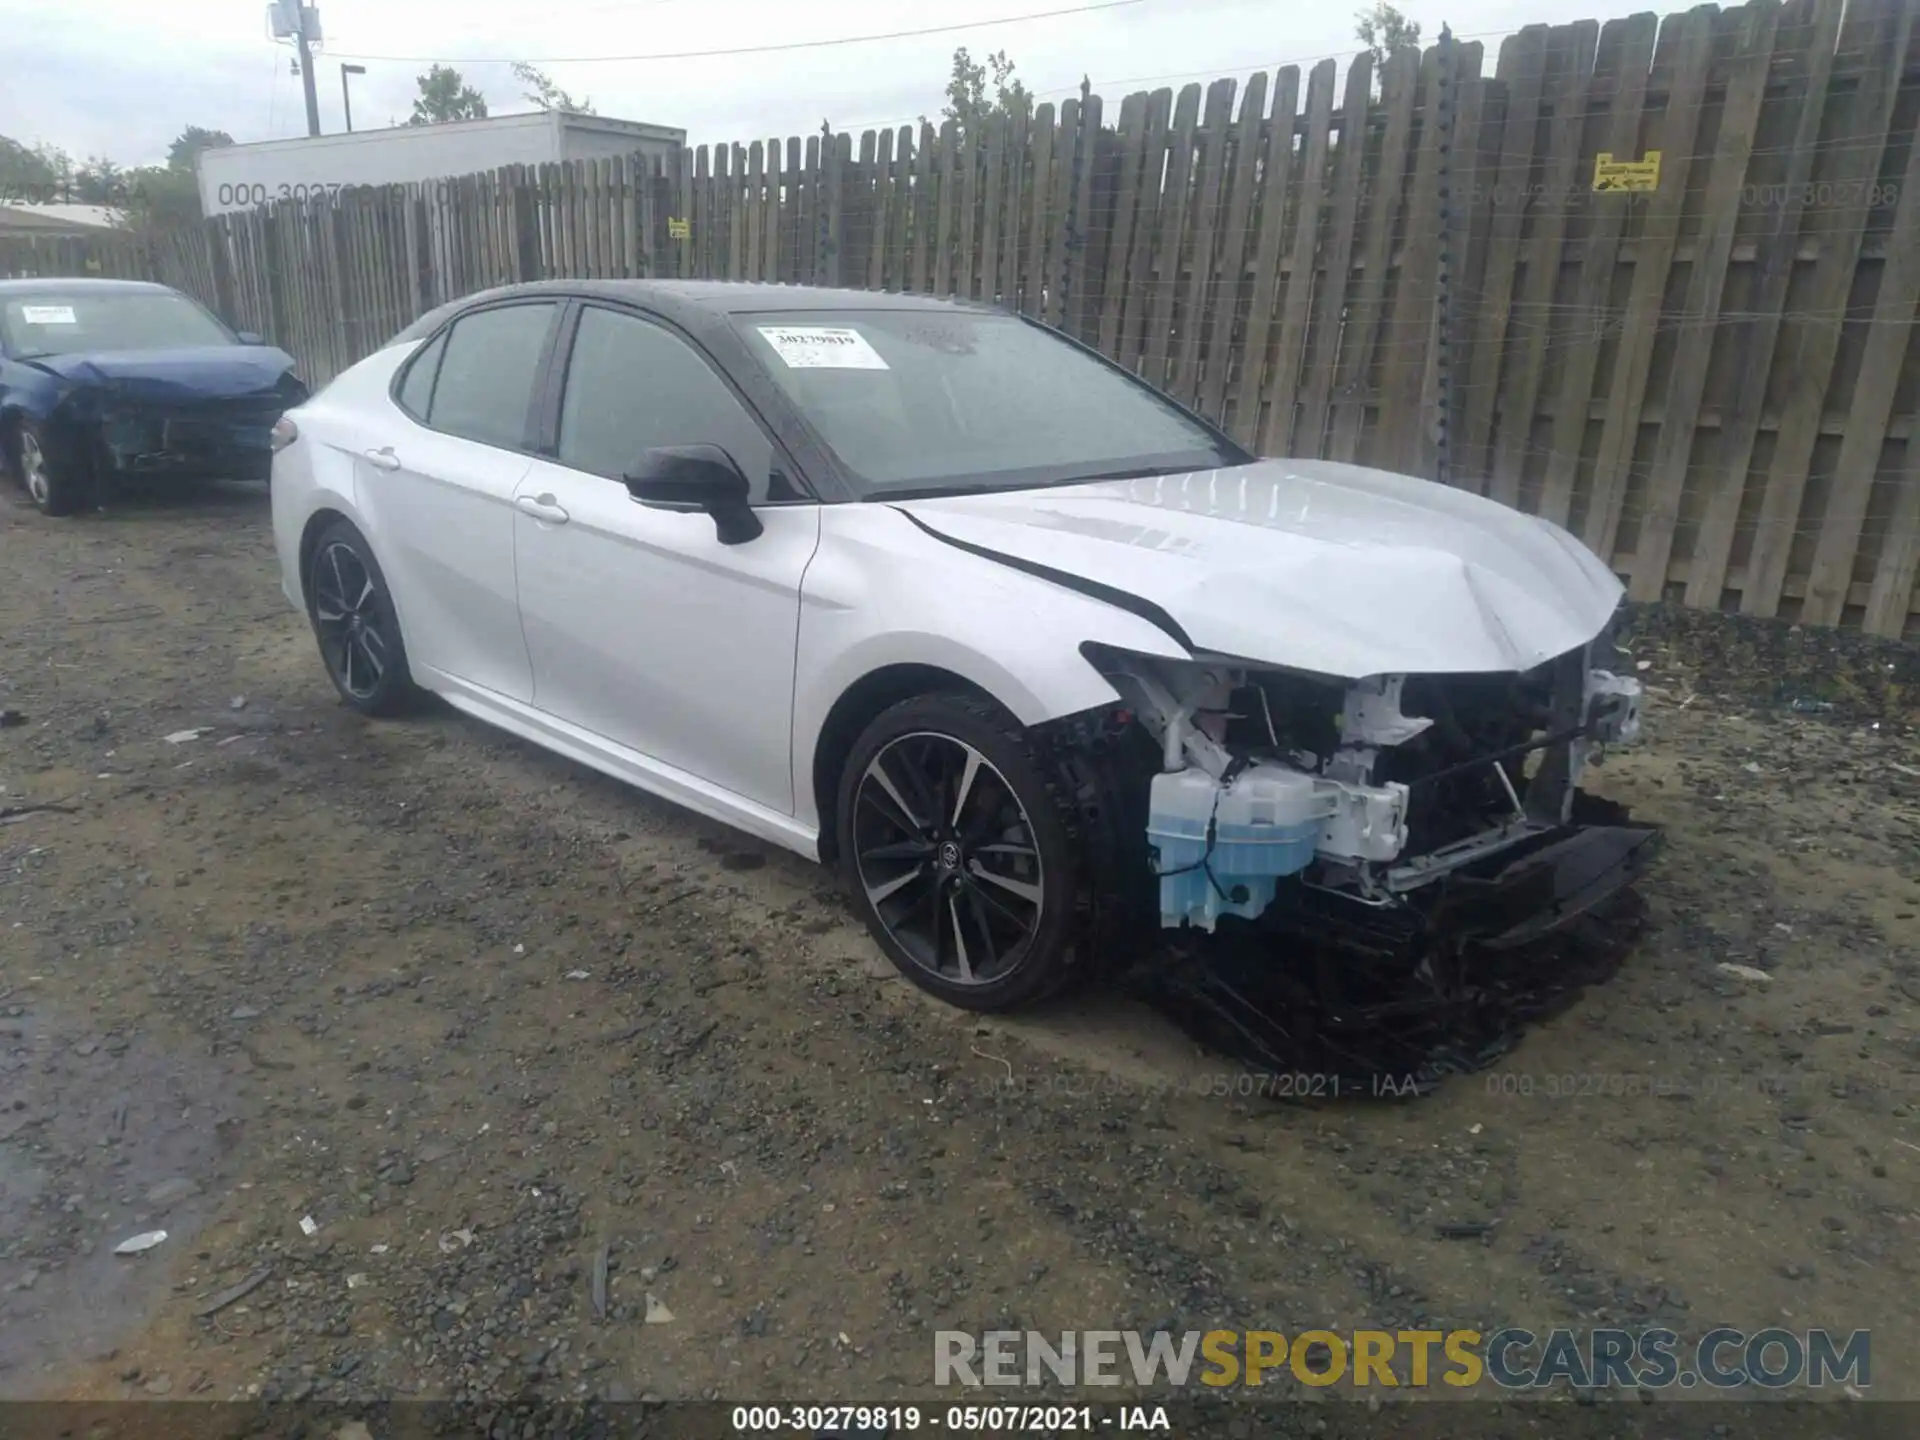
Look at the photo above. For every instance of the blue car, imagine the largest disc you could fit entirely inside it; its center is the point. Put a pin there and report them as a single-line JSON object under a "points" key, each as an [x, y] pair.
{"points": [[105, 379]]}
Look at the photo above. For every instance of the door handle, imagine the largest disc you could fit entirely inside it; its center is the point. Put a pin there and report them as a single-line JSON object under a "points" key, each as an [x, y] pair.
{"points": [[383, 458], [543, 507]]}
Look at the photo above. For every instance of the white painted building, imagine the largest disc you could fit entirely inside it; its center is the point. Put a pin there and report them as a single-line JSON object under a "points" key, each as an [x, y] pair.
{"points": [[242, 177], [19, 218]]}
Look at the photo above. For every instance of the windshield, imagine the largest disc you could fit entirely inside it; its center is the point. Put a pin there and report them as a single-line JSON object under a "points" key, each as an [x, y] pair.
{"points": [[920, 402], [52, 323]]}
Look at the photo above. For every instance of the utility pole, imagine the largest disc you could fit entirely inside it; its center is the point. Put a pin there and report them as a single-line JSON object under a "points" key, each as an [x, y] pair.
{"points": [[307, 18], [346, 96]]}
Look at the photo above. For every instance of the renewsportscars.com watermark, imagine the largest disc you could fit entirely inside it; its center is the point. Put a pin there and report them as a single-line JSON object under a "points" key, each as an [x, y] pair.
{"points": [[1510, 1359]]}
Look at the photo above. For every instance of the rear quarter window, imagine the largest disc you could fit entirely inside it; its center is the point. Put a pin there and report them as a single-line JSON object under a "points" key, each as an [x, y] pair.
{"points": [[415, 395]]}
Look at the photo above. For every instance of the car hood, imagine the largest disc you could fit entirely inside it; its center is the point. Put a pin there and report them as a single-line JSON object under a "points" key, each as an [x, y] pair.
{"points": [[1334, 569], [209, 372]]}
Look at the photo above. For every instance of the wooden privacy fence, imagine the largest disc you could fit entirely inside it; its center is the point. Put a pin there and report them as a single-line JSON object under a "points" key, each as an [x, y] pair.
{"points": [[1712, 378]]}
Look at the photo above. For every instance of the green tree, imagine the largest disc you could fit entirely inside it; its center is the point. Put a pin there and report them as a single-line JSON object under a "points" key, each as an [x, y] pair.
{"points": [[188, 144], [1384, 30], [28, 174], [60, 164], [99, 182], [544, 93], [160, 197], [144, 197], [968, 99], [445, 95]]}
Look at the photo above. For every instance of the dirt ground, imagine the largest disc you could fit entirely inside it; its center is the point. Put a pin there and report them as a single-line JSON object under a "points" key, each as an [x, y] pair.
{"points": [[481, 1018]]}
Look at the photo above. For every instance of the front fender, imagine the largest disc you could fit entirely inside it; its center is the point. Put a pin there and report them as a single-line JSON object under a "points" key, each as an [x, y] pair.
{"points": [[31, 393], [881, 593]]}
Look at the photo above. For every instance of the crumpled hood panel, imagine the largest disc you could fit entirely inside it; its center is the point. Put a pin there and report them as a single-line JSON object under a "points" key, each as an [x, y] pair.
{"points": [[1335, 569], [213, 372]]}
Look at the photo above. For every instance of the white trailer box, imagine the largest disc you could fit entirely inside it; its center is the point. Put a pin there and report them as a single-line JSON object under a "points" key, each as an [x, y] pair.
{"points": [[241, 177]]}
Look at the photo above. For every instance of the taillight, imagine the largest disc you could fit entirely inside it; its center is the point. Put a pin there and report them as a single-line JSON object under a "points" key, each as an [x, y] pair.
{"points": [[285, 432]]}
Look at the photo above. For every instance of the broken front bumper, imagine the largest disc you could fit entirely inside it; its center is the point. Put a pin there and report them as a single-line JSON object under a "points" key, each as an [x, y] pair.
{"points": [[1527, 893], [1436, 982], [1592, 709], [1505, 900], [226, 440]]}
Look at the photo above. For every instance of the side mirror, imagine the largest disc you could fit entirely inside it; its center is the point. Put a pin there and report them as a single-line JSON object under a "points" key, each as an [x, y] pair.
{"points": [[247, 337], [697, 477]]}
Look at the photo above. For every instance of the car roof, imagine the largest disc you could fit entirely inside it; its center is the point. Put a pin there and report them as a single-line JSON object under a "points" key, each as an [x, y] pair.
{"points": [[78, 284], [695, 305], [732, 297]]}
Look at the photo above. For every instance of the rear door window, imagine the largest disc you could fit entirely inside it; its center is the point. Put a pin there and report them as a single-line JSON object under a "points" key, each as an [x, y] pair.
{"points": [[487, 374]]}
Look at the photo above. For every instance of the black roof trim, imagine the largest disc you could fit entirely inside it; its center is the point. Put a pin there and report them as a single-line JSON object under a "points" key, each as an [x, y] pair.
{"points": [[696, 305]]}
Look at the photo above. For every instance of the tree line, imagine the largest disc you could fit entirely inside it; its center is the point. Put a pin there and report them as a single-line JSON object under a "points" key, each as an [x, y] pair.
{"points": [[145, 195]]}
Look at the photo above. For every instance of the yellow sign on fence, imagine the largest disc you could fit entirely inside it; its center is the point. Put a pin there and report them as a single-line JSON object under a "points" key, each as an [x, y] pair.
{"points": [[678, 229], [1612, 174]]}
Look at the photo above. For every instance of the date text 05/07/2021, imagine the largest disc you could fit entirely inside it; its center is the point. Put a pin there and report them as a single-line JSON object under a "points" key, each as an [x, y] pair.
{"points": [[879, 1420]]}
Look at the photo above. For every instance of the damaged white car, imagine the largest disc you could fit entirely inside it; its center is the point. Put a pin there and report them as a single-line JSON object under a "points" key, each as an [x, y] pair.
{"points": [[1044, 663]]}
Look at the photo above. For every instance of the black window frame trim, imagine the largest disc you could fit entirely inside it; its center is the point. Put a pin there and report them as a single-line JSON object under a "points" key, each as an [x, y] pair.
{"points": [[561, 305]]}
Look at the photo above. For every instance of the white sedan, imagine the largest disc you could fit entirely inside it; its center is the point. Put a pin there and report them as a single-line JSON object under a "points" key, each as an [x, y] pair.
{"points": [[1042, 661]]}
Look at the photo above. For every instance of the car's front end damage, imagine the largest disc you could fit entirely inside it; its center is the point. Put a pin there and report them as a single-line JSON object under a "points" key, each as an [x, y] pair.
{"points": [[1360, 847], [1375, 790], [1373, 716], [163, 415], [227, 437], [1316, 723]]}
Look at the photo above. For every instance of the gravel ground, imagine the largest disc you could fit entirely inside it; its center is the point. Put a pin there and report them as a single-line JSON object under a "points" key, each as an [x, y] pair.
{"points": [[581, 1096]]}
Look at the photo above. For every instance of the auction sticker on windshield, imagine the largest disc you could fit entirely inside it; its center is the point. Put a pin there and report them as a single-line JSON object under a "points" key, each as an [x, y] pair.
{"points": [[822, 347], [48, 315]]}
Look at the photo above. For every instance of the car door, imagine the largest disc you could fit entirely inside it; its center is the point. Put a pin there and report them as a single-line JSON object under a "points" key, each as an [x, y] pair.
{"points": [[440, 493], [642, 627]]}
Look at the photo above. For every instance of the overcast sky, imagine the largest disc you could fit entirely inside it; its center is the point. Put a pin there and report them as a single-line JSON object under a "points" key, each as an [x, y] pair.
{"points": [[122, 77]]}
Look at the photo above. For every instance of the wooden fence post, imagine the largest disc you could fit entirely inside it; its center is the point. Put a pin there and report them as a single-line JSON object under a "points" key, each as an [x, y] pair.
{"points": [[834, 151], [526, 225], [213, 240], [1076, 316]]}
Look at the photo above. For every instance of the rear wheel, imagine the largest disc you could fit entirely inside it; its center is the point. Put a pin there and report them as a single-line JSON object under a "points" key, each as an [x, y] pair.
{"points": [[354, 620], [959, 854]]}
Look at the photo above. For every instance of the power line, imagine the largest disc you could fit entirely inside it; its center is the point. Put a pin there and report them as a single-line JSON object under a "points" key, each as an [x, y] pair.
{"points": [[737, 50], [1214, 72]]}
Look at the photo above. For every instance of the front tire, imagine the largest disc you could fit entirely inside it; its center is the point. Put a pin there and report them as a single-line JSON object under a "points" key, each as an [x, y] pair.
{"points": [[54, 481], [353, 618], [959, 853]]}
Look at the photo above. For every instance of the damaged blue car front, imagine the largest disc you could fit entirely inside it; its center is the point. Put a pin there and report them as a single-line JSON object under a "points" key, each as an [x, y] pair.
{"points": [[102, 379]]}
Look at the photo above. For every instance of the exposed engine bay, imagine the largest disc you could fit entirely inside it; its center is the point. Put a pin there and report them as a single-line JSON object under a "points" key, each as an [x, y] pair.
{"points": [[1371, 789]]}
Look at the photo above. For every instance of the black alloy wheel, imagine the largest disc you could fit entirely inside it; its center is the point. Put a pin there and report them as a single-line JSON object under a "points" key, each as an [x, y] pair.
{"points": [[354, 621], [958, 854]]}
